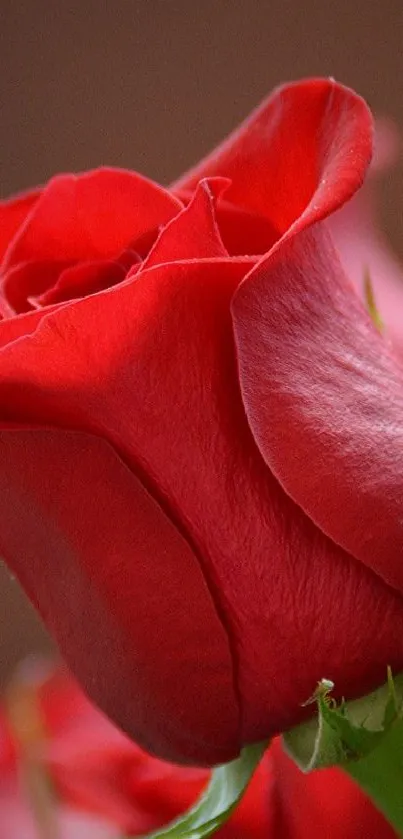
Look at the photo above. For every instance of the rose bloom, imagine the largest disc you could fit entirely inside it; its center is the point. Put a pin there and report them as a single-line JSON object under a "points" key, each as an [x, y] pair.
{"points": [[67, 773], [201, 433]]}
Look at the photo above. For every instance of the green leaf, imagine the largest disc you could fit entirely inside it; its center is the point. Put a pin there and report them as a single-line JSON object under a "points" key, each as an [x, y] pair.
{"points": [[363, 737], [225, 789], [370, 301]]}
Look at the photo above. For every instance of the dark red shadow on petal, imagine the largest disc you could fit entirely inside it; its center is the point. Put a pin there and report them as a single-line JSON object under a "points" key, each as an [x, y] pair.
{"points": [[326, 804]]}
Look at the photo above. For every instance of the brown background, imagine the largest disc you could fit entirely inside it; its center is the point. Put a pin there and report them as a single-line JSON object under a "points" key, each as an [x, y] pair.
{"points": [[152, 85]]}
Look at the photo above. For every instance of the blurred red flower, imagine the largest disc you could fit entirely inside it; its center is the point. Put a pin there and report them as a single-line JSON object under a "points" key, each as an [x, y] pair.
{"points": [[66, 771]]}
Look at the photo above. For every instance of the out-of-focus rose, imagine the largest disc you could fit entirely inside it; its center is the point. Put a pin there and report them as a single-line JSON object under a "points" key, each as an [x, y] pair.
{"points": [[201, 433], [363, 247], [66, 772], [324, 804]]}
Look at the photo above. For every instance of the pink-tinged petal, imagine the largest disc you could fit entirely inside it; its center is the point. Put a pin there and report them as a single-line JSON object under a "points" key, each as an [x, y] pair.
{"points": [[151, 366], [13, 212], [326, 804], [121, 590], [324, 398], [303, 151], [91, 216], [18, 822], [193, 233], [24, 281], [362, 246]]}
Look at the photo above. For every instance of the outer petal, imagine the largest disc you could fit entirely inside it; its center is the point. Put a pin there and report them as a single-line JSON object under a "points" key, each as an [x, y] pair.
{"points": [[243, 231], [305, 149], [90, 216], [151, 366], [322, 804], [324, 398], [12, 328], [13, 213], [121, 591]]}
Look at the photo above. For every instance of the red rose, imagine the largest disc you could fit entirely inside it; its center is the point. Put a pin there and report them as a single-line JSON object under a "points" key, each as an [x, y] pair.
{"points": [[201, 451]]}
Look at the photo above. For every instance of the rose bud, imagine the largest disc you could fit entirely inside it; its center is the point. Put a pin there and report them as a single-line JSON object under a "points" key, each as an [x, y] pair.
{"points": [[201, 433]]}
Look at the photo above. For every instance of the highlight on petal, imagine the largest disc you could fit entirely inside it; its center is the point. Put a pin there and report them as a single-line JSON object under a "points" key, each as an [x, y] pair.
{"points": [[93, 215], [128, 605], [324, 398], [305, 150]]}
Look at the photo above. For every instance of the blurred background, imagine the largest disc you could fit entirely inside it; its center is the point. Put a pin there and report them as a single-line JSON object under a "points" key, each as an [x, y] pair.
{"points": [[152, 85]]}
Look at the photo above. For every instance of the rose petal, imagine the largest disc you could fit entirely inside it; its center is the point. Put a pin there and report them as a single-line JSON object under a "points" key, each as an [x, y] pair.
{"points": [[13, 212], [83, 279], [193, 233], [305, 149], [140, 655], [324, 398], [12, 328], [90, 216], [363, 248], [25, 280], [151, 366], [244, 232]]}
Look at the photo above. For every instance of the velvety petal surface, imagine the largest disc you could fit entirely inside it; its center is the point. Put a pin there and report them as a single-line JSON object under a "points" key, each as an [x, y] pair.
{"points": [[120, 589], [324, 398], [153, 370], [304, 150], [25, 281], [93, 215]]}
